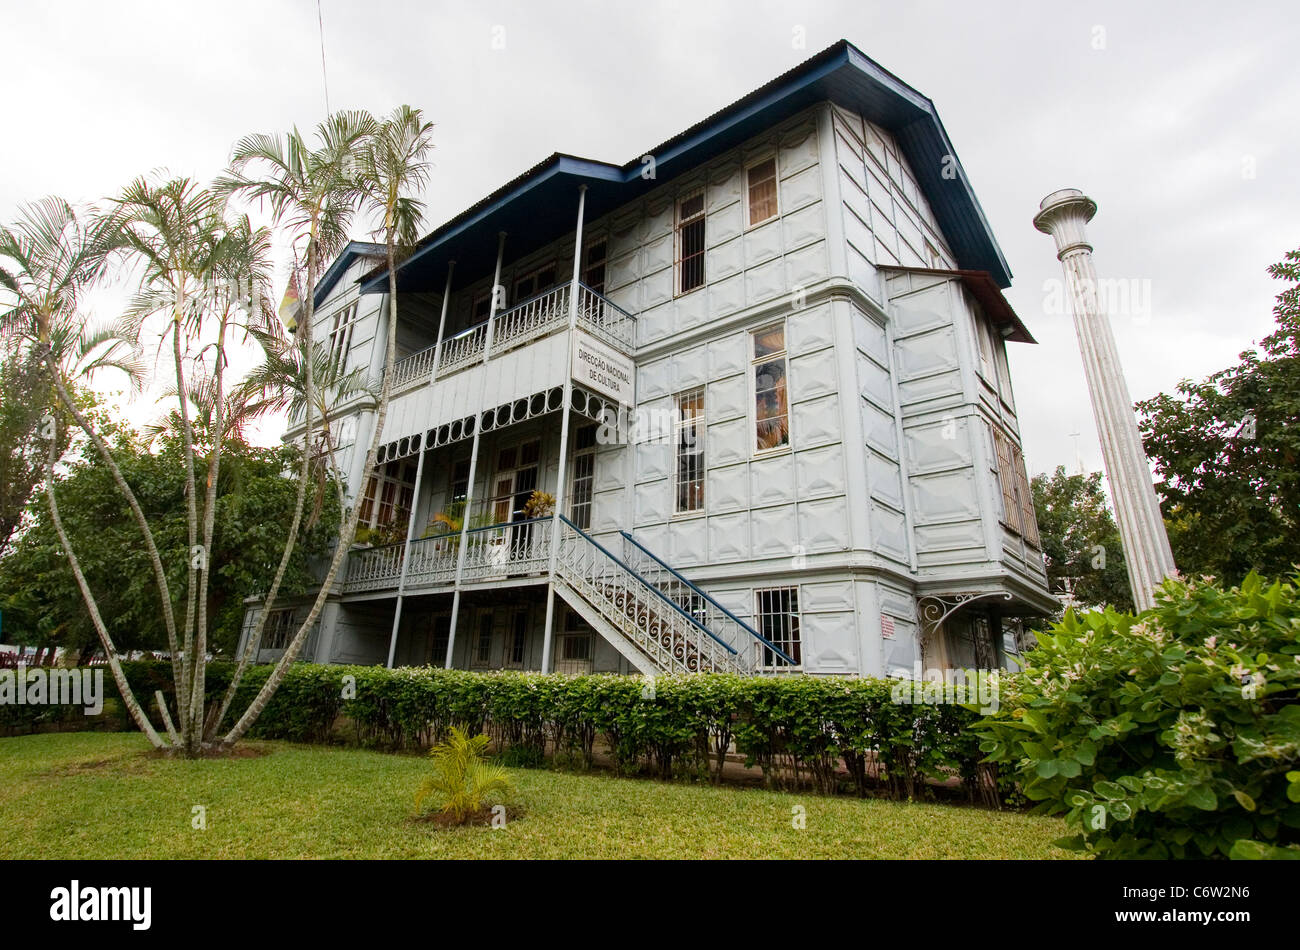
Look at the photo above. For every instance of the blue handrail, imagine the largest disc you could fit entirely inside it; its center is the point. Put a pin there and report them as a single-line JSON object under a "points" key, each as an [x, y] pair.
{"points": [[651, 587], [709, 599]]}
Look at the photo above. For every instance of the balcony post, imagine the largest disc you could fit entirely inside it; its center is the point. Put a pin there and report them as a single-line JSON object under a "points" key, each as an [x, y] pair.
{"points": [[442, 324], [406, 553], [547, 637], [473, 453]]}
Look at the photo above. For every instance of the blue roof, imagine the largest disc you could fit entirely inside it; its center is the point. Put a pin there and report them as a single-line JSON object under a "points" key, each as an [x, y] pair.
{"points": [[540, 205], [341, 264]]}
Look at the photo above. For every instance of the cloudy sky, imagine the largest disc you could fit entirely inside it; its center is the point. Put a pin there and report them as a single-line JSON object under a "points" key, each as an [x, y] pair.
{"points": [[1180, 119]]}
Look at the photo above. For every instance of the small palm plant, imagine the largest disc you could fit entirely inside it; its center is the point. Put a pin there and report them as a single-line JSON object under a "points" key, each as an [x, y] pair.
{"points": [[463, 780]]}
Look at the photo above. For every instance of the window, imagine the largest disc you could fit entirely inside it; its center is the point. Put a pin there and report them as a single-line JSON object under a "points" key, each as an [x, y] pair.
{"points": [[771, 402], [340, 337], [279, 630], [584, 475], [761, 186], [483, 642], [515, 481], [532, 284], [690, 242], [777, 610], [1027, 516], [1004, 371], [460, 481], [1017, 500], [483, 306], [389, 494], [593, 274], [517, 647], [984, 339], [690, 451], [441, 637]]}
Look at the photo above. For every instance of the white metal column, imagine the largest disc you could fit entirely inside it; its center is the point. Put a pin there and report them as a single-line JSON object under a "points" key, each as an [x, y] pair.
{"points": [[406, 552], [548, 638], [473, 456]]}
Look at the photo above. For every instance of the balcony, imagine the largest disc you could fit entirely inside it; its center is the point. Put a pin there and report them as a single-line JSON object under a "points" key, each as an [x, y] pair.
{"points": [[518, 326], [493, 552]]}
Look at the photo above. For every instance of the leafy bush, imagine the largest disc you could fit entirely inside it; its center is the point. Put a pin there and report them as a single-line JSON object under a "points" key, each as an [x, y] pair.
{"points": [[1172, 734], [463, 781], [796, 729]]}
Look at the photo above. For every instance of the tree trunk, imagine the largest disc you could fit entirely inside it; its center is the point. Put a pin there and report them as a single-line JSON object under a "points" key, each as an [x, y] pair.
{"points": [[155, 560], [123, 687], [340, 554]]}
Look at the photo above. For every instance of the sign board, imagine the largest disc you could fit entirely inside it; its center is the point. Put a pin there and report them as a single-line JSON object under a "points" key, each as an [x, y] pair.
{"points": [[603, 369], [886, 627]]}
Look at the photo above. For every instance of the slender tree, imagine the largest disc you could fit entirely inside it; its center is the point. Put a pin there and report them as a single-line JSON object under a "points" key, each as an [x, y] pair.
{"points": [[312, 192], [49, 258], [393, 165]]}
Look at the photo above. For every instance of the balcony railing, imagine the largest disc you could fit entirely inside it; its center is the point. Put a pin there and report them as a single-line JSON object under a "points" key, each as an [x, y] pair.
{"points": [[492, 552], [521, 324]]}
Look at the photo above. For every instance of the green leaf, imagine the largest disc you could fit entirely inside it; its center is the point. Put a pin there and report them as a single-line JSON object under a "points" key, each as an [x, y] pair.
{"points": [[1244, 800], [1202, 797], [1109, 790]]}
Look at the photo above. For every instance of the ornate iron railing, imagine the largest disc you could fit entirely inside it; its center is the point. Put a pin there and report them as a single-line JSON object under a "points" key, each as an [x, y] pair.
{"points": [[755, 652], [531, 319], [505, 550], [674, 641], [606, 319], [413, 369], [523, 323]]}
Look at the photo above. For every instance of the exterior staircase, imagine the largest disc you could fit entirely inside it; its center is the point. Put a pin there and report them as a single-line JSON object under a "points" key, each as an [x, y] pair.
{"points": [[655, 617]]}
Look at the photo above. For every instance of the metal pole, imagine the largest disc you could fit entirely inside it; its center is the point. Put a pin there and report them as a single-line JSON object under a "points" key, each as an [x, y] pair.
{"points": [[442, 324], [473, 457], [406, 553], [547, 638]]}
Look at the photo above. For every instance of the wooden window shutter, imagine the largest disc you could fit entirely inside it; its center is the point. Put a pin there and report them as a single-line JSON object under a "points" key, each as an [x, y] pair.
{"points": [[1007, 480], [1027, 517]]}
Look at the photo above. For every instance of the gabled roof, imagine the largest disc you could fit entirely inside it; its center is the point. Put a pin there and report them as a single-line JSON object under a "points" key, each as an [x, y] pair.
{"points": [[339, 267], [540, 205]]}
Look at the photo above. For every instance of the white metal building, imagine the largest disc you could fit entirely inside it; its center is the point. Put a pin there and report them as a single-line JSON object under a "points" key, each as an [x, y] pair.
{"points": [[763, 369]]}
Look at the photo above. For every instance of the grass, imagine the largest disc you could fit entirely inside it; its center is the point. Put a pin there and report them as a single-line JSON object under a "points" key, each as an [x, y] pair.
{"points": [[98, 795]]}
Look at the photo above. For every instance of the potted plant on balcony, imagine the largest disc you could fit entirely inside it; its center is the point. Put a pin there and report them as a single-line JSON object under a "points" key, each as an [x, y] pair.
{"points": [[540, 504]]}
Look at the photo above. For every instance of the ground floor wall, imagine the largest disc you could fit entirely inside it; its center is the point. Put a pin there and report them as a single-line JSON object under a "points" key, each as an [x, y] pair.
{"points": [[833, 623]]}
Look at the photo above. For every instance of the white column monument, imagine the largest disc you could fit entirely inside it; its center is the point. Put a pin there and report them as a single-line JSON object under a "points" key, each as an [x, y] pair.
{"points": [[1063, 214]]}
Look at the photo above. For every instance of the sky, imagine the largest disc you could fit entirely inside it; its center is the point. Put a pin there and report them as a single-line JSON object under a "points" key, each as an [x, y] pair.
{"points": [[1179, 119]]}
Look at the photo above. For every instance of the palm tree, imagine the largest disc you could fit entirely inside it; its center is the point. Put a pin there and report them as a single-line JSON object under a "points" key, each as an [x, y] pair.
{"points": [[173, 230], [314, 193], [392, 163], [48, 258]]}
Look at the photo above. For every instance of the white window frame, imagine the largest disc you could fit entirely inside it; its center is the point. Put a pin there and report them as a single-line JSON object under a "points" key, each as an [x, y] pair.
{"points": [[340, 335], [754, 362], [703, 217], [776, 184], [795, 631], [680, 424], [379, 478], [589, 499]]}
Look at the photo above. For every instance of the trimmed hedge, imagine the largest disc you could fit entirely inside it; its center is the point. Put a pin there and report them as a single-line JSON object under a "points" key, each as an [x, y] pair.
{"points": [[797, 730]]}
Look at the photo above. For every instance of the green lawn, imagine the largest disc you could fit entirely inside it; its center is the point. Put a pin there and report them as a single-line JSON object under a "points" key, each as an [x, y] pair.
{"points": [[95, 795]]}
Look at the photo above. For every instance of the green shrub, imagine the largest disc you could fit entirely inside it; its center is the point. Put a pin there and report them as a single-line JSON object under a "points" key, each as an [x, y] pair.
{"points": [[796, 729], [1170, 734]]}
